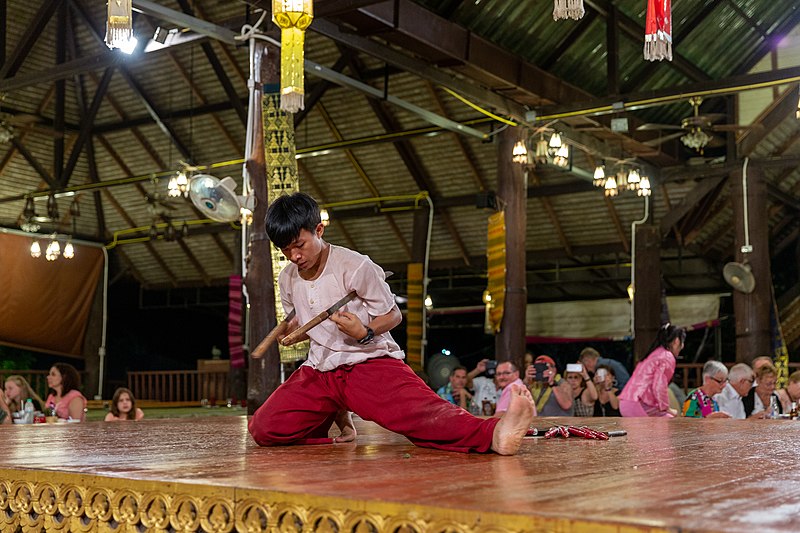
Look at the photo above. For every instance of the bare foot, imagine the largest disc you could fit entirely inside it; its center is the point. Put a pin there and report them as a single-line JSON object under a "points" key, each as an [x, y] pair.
{"points": [[344, 421], [509, 431]]}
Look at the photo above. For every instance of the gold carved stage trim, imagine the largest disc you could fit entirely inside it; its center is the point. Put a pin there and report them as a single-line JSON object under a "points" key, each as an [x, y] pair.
{"points": [[207, 474]]}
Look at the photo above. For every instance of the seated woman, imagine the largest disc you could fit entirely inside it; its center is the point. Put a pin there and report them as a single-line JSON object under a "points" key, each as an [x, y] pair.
{"points": [[5, 414], [18, 390], [762, 399], [700, 403], [791, 394], [123, 407], [605, 381], [584, 393], [64, 397]]}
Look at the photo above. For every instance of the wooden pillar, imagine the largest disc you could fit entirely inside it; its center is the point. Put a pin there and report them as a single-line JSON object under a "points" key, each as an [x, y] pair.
{"points": [[647, 289], [512, 191], [753, 335], [263, 375], [416, 285]]}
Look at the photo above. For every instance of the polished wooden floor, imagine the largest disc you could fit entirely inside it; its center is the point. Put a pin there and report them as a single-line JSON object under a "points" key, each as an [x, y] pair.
{"points": [[206, 474]]}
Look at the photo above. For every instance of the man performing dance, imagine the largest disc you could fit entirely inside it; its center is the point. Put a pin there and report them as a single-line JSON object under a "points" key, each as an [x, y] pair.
{"points": [[353, 362]]}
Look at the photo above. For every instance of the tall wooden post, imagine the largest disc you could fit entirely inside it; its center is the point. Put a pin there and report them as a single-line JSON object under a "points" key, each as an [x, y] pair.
{"points": [[415, 319], [512, 191], [263, 376], [647, 289], [753, 335]]}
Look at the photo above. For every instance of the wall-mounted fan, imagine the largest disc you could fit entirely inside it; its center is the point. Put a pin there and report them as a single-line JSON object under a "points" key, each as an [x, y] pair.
{"points": [[217, 198], [439, 368], [739, 276], [697, 131]]}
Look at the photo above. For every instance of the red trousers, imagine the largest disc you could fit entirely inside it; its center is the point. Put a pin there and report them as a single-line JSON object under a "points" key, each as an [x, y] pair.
{"points": [[383, 390]]}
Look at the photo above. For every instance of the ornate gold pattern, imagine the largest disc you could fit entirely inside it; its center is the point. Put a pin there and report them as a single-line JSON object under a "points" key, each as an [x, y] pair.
{"points": [[36, 501]]}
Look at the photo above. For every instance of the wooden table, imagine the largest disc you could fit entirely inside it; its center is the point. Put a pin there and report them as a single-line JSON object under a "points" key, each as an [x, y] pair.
{"points": [[207, 474]]}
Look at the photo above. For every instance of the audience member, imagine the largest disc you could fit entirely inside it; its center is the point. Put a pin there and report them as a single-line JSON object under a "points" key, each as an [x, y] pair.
{"points": [[455, 391], [646, 392], [761, 401], [507, 374], [607, 402], [18, 390], [65, 397], [485, 389], [551, 394], [700, 403], [791, 394], [584, 393], [5, 413], [590, 358], [123, 407], [760, 361], [740, 381]]}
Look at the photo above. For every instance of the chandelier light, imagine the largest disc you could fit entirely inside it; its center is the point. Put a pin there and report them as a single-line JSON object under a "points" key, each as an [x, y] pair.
{"points": [[519, 153], [542, 153], [611, 186], [69, 250], [555, 141], [696, 139], [36, 249], [599, 176], [561, 158], [633, 179], [644, 187], [53, 249]]}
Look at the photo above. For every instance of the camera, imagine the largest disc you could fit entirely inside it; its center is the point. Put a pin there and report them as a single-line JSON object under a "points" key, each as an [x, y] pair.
{"points": [[540, 368], [491, 368], [575, 367]]}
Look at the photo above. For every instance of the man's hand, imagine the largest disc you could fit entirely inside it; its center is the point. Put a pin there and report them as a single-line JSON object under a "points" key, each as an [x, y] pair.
{"points": [[719, 414], [349, 324]]}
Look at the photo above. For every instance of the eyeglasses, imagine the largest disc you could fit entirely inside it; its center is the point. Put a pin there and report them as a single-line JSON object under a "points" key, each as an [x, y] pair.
{"points": [[720, 381], [504, 373]]}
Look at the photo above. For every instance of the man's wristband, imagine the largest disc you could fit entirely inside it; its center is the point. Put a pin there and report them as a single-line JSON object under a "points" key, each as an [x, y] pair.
{"points": [[368, 337]]}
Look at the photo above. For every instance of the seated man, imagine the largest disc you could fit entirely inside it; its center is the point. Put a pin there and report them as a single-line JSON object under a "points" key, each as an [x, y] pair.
{"points": [[791, 394], [740, 381], [456, 391], [700, 402], [590, 359], [507, 374], [551, 394]]}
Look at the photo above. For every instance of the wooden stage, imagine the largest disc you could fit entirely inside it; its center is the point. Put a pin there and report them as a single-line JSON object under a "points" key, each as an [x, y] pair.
{"points": [[206, 474]]}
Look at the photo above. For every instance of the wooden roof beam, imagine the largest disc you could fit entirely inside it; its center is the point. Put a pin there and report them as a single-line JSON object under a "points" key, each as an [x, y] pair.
{"points": [[28, 39]]}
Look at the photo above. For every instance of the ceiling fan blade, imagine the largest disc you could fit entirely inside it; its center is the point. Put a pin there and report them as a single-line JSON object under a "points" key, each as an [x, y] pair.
{"points": [[665, 138], [654, 127], [715, 142], [703, 120], [731, 127]]}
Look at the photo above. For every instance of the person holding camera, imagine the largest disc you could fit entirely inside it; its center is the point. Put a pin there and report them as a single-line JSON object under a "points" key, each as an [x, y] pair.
{"points": [[584, 393], [551, 394], [591, 359], [485, 389], [607, 403], [646, 392]]}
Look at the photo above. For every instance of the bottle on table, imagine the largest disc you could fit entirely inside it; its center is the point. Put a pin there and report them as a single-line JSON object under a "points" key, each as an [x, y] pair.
{"points": [[28, 418], [793, 412], [773, 407]]}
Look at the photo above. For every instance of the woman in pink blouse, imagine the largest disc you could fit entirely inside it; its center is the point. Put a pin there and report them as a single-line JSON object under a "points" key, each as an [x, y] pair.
{"points": [[68, 401], [646, 394]]}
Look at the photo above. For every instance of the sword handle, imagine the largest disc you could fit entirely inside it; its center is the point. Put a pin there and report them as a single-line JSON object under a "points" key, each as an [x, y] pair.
{"points": [[264, 345], [295, 335]]}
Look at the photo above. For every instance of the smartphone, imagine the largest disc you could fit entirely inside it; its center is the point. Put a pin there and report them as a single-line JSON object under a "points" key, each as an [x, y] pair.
{"points": [[575, 367], [540, 368], [600, 376]]}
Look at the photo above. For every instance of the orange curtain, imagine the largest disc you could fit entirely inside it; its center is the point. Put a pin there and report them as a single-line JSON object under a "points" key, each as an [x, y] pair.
{"points": [[44, 305]]}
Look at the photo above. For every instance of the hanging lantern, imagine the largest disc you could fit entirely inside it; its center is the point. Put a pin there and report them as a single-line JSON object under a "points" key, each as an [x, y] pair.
{"points": [[292, 17], [658, 30], [36, 249], [519, 153], [69, 250], [561, 158], [633, 179], [568, 9], [119, 26], [555, 141], [644, 187]]}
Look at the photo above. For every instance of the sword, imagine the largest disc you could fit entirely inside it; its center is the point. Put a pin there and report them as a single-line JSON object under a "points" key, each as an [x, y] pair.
{"points": [[262, 347], [294, 336]]}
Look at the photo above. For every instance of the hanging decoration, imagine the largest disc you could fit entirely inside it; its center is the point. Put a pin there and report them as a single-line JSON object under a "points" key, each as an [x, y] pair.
{"points": [[496, 270], [658, 30], [119, 26], [292, 17], [568, 9]]}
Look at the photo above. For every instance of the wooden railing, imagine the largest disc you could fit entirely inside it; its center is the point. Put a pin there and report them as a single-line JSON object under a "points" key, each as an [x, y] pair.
{"points": [[36, 378], [691, 374], [179, 385]]}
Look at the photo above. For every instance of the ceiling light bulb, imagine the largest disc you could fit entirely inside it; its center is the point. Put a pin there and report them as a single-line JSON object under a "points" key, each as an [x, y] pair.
{"points": [[599, 176], [69, 250], [428, 302], [611, 186], [555, 140], [644, 187], [541, 151], [325, 217], [561, 158], [36, 249]]}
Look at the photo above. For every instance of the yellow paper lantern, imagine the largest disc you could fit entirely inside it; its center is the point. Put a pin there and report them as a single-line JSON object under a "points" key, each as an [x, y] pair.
{"points": [[292, 17]]}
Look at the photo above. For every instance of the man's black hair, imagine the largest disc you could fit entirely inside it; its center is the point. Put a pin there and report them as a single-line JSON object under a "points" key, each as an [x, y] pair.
{"points": [[289, 214]]}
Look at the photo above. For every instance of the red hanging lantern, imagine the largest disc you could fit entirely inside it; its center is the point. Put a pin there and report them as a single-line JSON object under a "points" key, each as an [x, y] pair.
{"points": [[658, 30]]}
